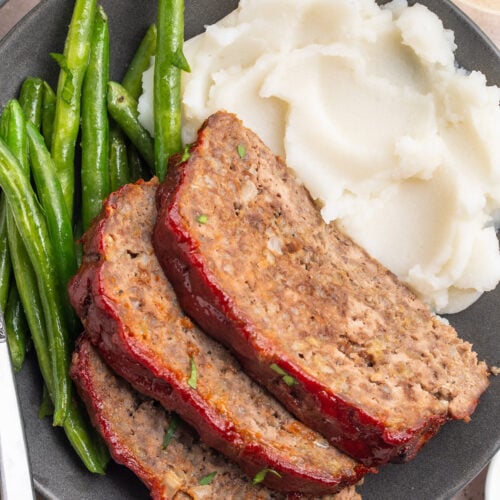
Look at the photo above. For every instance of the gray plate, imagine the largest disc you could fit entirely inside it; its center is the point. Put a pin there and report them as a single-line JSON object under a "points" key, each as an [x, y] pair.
{"points": [[444, 466]]}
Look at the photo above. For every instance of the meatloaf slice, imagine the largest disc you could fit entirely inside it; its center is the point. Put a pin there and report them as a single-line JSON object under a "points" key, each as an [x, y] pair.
{"points": [[333, 334], [134, 428], [131, 314]]}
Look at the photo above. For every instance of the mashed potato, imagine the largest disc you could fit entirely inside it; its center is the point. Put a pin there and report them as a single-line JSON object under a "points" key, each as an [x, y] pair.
{"points": [[366, 105]]}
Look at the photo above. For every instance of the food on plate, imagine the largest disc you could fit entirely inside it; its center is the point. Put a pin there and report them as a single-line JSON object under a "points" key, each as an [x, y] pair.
{"points": [[131, 314], [156, 445], [348, 349], [399, 145]]}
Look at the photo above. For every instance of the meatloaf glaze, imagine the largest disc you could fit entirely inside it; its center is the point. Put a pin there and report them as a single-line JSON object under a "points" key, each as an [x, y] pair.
{"points": [[333, 334], [134, 428], [131, 314]]}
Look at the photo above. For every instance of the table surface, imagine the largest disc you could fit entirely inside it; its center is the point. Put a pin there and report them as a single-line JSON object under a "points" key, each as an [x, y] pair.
{"points": [[485, 13]]}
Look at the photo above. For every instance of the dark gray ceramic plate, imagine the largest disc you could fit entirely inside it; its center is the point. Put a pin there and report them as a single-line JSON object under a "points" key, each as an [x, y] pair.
{"points": [[445, 465]]}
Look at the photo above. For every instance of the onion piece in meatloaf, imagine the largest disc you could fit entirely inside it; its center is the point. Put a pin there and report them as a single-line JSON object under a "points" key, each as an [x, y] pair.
{"points": [[131, 314], [333, 334], [134, 428]]}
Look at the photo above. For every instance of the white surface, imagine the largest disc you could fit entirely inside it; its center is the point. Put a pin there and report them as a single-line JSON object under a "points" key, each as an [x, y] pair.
{"points": [[492, 486], [15, 470]]}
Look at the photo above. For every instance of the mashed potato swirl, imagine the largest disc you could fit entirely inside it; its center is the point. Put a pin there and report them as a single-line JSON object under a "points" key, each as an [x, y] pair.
{"points": [[367, 105]]}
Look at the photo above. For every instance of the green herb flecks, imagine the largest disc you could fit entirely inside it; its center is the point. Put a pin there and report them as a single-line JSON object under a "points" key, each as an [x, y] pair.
{"points": [[242, 152], [193, 378], [202, 219], [261, 475], [186, 153], [207, 479], [169, 433], [287, 378]]}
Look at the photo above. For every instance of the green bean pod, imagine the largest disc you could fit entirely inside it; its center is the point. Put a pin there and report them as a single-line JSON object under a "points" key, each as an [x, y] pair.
{"points": [[17, 328], [95, 127], [132, 81], [85, 440], [12, 130], [4, 122], [73, 64], [14, 133], [52, 200], [32, 227], [29, 295], [48, 113], [31, 99], [118, 161], [121, 153], [5, 262], [80, 433], [136, 166], [46, 408], [123, 109], [167, 82]]}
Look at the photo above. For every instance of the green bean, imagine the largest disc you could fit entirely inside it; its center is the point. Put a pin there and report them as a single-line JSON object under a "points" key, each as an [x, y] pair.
{"points": [[52, 200], [11, 125], [132, 81], [118, 162], [31, 98], [123, 109], [85, 440], [31, 224], [80, 433], [46, 408], [136, 166], [17, 329], [48, 113], [73, 65], [29, 295], [167, 82], [77, 234], [4, 122], [5, 263], [14, 133], [23, 269], [121, 153], [95, 127]]}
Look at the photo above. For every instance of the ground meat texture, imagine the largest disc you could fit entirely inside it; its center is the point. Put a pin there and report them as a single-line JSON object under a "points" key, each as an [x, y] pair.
{"points": [[326, 328], [134, 428], [131, 314]]}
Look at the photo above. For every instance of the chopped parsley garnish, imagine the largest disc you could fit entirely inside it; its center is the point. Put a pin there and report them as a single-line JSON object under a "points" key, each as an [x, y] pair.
{"points": [[193, 378], [186, 153], [207, 479], [172, 427], [287, 378], [261, 475], [242, 152], [202, 219]]}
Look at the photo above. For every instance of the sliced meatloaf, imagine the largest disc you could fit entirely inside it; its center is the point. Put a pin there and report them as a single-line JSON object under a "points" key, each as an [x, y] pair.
{"points": [[333, 334], [131, 314], [160, 449]]}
